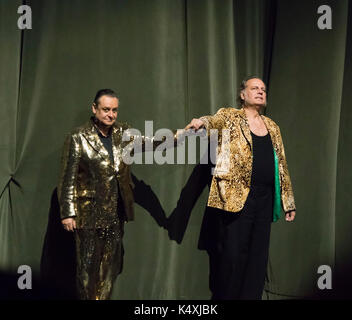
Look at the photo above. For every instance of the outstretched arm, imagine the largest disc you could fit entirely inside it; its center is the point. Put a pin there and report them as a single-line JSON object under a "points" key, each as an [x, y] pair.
{"points": [[216, 121], [195, 124]]}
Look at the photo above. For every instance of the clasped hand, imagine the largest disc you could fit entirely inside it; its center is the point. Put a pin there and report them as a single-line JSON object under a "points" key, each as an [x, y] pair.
{"points": [[69, 224]]}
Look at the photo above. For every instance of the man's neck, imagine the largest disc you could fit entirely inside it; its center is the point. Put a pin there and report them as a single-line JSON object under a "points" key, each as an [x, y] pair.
{"points": [[252, 112], [103, 129]]}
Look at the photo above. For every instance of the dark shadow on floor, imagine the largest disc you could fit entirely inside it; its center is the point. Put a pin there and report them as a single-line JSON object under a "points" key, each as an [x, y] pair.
{"points": [[58, 261], [9, 289], [341, 283], [178, 220], [147, 199]]}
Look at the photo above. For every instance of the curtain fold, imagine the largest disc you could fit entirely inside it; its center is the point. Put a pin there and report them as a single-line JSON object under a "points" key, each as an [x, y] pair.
{"points": [[10, 66], [305, 99], [343, 238]]}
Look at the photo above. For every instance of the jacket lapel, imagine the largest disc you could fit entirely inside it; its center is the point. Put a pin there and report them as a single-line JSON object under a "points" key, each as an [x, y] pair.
{"points": [[245, 128], [93, 139], [272, 134], [116, 141]]}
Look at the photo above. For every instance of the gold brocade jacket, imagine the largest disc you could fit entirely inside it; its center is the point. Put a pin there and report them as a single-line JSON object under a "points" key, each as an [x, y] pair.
{"points": [[89, 184], [87, 188], [230, 186]]}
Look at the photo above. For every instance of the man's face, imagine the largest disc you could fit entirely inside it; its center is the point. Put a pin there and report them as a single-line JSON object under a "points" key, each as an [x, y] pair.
{"points": [[255, 93], [106, 110]]}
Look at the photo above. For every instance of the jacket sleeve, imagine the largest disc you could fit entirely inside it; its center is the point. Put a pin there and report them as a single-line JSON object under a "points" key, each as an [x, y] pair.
{"points": [[67, 187], [141, 143], [287, 197], [216, 121]]}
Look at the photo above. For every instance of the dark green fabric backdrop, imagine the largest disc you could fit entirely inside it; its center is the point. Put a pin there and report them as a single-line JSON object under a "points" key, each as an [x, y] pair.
{"points": [[170, 61]]}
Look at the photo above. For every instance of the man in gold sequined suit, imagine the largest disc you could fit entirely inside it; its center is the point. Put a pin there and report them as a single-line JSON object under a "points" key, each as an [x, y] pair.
{"points": [[95, 196], [249, 185]]}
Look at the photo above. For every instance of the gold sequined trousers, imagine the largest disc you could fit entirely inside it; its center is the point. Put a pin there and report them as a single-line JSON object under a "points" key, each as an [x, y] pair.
{"points": [[99, 261]]}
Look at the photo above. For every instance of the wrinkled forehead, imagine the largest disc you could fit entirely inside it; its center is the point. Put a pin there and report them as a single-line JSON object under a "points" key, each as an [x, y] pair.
{"points": [[108, 101], [255, 82]]}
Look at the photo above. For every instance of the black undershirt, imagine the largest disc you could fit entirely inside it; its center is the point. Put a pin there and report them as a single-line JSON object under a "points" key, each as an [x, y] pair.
{"points": [[107, 143], [263, 160]]}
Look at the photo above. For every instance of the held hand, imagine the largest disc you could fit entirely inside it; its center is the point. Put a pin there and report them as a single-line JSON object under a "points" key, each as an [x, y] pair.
{"points": [[290, 216], [69, 224], [195, 124]]}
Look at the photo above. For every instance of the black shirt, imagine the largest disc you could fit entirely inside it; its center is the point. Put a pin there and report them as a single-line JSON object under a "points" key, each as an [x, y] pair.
{"points": [[107, 142], [263, 160]]}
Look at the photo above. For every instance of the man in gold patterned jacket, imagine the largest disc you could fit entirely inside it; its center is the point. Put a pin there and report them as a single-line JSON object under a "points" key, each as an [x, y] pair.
{"points": [[95, 196], [250, 183]]}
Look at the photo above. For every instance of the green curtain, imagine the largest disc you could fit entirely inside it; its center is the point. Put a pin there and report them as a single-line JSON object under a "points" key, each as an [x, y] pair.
{"points": [[171, 61], [10, 66], [306, 88]]}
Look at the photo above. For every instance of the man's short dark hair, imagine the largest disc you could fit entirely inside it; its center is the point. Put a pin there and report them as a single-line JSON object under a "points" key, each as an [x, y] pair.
{"points": [[104, 92], [243, 85]]}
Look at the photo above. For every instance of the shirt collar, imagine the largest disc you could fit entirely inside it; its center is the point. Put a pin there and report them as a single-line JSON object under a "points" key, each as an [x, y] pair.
{"points": [[94, 122]]}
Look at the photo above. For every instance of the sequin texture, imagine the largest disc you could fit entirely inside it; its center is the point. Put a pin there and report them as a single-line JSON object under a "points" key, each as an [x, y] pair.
{"points": [[230, 188], [97, 193]]}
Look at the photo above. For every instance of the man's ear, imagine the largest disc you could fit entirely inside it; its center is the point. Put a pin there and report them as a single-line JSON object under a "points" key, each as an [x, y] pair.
{"points": [[242, 95], [94, 106]]}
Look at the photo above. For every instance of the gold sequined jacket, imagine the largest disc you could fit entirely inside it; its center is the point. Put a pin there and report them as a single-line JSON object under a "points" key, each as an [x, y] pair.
{"points": [[232, 174], [87, 188]]}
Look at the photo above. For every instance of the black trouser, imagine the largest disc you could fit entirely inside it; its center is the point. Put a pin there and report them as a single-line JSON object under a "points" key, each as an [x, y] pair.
{"points": [[239, 259]]}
